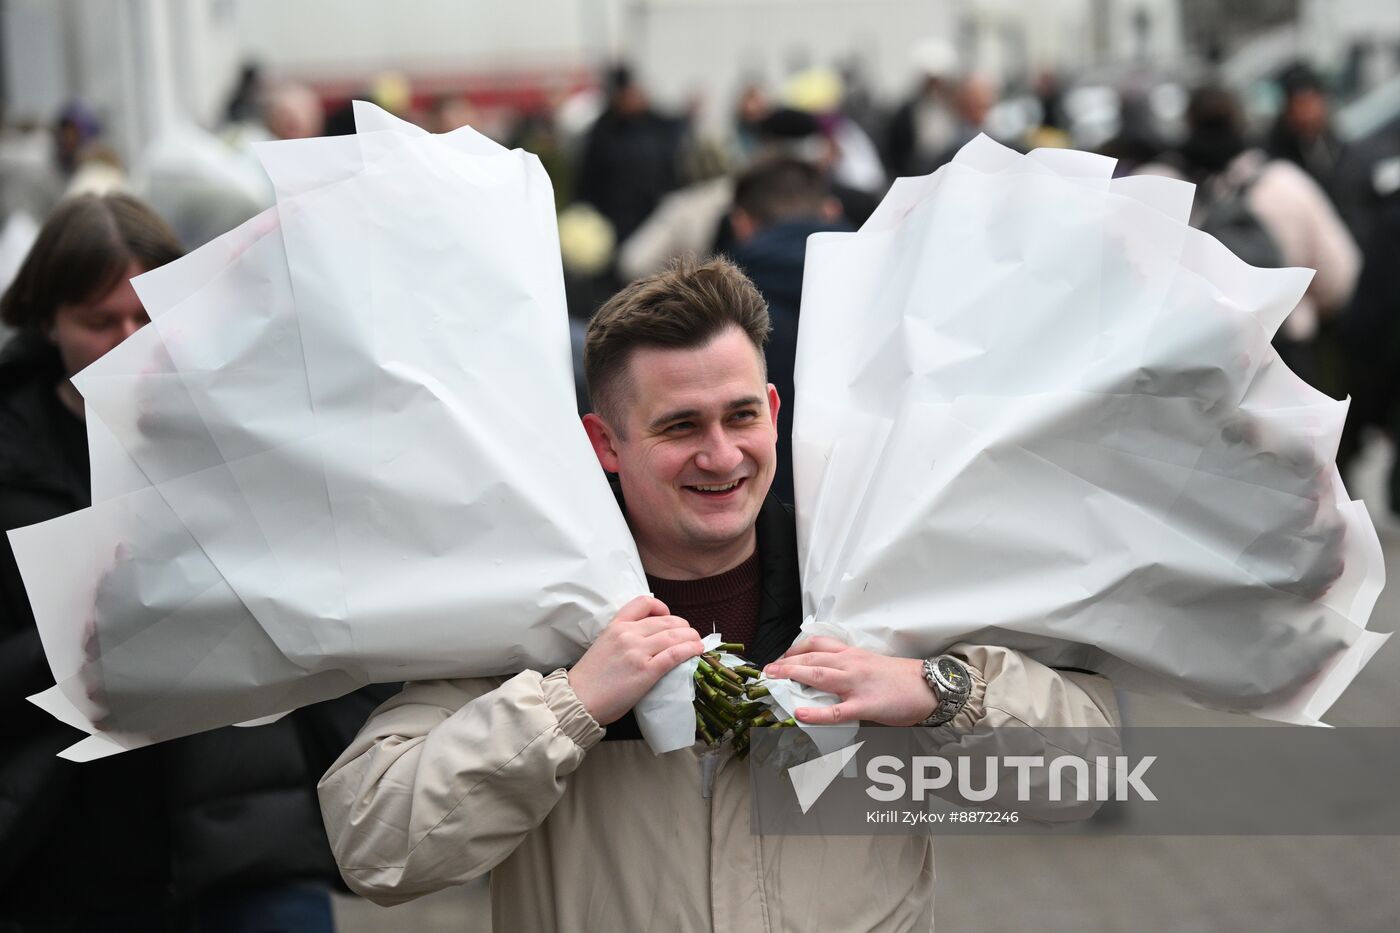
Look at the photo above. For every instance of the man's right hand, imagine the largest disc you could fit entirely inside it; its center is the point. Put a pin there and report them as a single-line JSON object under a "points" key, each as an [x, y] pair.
{"points": [[640, 644]]}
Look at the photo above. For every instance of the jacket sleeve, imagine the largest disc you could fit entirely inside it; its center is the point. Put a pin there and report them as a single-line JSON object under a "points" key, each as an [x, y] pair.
{"points": [[1019, 708], [447, 778]]}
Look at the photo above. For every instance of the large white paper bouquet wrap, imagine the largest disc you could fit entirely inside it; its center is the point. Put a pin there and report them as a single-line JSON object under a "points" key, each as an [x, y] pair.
{"points": [[345, 451], [1035, 408]]}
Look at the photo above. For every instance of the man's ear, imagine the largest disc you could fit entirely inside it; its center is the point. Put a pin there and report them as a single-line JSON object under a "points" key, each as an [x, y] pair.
{"points": [[602, 438], [774, 403]]}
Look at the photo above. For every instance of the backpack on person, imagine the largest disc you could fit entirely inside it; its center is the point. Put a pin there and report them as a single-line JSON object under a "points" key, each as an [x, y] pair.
{"points": [[1230, 220]]}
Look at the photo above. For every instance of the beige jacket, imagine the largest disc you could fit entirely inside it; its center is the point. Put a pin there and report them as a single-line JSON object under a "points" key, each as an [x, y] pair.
{"points": [[454, 779]]}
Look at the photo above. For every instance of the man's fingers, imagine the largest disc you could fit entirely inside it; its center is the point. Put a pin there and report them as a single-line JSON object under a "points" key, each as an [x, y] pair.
{"points": [[837, 660], [640, 608], [659, 641], [682, 651], [827, 715], [824, 678], [651, 625], [815, 643]]}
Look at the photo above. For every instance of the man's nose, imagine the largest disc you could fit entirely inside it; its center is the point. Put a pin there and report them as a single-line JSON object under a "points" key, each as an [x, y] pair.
{"points": [[719, 454]]}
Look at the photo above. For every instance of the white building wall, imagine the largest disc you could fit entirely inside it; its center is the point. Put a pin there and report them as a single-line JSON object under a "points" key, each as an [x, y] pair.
{"points": [[55, 49], [34, 59], [137, 63], [314, 38]]}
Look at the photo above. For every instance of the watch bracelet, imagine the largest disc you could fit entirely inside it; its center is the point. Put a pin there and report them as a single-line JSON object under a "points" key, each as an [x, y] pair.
{"points": [[949, 704]]}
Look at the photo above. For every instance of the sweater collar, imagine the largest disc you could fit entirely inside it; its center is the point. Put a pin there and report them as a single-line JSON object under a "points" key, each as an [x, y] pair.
{"points": [[780, 616]]}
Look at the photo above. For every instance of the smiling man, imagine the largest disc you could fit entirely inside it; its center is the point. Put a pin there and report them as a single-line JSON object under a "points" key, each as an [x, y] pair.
{"points": [[544, 781], [692, 449]]}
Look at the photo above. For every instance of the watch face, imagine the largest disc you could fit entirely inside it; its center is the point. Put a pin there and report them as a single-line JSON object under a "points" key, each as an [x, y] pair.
{"points": [[953, 673]]}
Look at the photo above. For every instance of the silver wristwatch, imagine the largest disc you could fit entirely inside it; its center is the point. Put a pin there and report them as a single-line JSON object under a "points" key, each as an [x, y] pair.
{"points": [[949, 680]]}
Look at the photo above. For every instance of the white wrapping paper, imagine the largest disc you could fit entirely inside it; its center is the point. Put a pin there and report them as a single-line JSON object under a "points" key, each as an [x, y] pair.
{"points": [[345, 451], [1036, 409]]}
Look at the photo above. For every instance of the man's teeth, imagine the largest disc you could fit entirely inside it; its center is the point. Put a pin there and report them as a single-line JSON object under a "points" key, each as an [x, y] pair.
{"points": [[725, 488]]}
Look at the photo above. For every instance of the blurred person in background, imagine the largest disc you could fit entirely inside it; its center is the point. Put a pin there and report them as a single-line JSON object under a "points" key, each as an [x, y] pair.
{"points": [[292, 111], [802, 135], [851, 159], [449, 112], [1051, 131], [203, 184], [214, 832], [387, 90], [87, 164], [974, 99], [245, 101], [1137, 144], [630, 158], [753, 108], [689, 220], [778, 204], [1270, 213], [76, 127], [1370, 335], [859, 101], [536, 129], [281, 110], [1303, 132], [925, 125], [697, 219]]}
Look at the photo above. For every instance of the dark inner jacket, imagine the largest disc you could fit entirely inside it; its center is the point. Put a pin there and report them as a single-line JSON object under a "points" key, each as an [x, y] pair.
{"points": [[774, 259]]}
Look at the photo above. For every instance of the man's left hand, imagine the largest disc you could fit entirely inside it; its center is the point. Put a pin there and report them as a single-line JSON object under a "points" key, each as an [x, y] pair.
{"points": [[872, 687]]}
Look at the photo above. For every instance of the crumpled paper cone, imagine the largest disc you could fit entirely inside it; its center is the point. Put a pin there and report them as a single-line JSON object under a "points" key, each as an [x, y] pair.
{"points": [[345, 451], [1036, 409]]}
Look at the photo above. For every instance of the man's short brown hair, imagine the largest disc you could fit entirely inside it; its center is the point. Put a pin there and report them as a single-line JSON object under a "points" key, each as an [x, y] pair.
{"points": [[684, 307]]}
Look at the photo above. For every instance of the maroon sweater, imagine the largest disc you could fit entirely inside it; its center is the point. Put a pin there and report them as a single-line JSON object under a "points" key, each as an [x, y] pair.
{"points": [[727, 603]]}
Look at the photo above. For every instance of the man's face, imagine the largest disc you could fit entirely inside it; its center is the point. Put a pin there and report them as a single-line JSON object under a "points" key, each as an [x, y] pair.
{"points": [[695, 455]]}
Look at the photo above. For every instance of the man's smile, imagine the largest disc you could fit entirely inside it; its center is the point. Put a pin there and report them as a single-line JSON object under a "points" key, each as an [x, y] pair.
{"points": [[717, 490]]}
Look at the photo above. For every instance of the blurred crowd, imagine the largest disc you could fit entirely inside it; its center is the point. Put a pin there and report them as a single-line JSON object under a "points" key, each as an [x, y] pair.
{"points": [[636, 186]]}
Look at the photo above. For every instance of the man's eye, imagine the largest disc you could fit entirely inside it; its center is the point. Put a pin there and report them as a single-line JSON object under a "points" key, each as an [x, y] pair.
{"points": [[747, 414], [680, 427]]}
